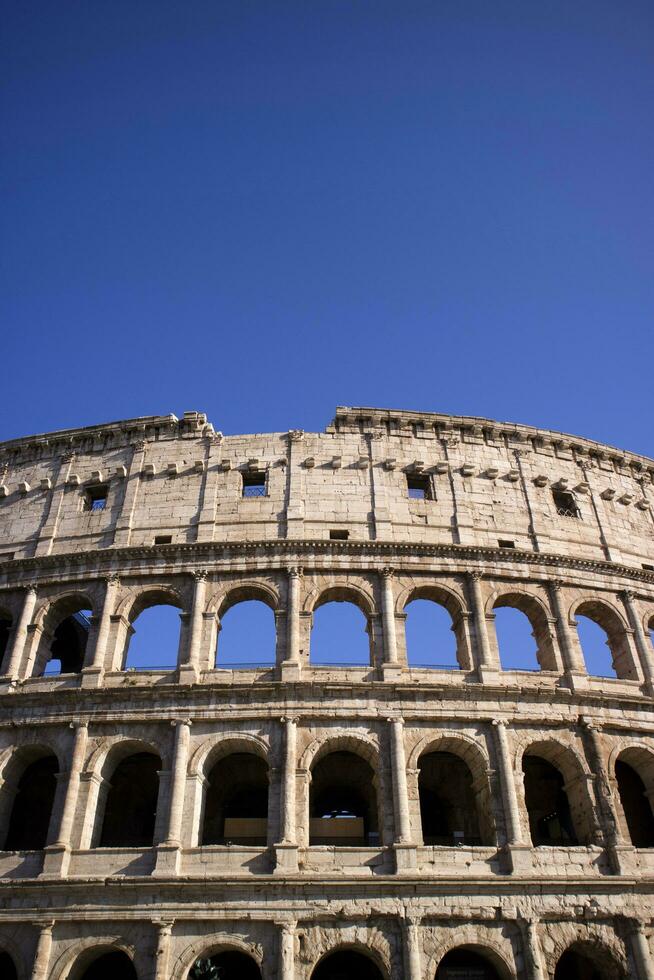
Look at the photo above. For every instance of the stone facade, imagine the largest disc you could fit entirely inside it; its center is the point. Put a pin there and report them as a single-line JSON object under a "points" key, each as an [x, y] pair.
{"points": [[334, 521]]}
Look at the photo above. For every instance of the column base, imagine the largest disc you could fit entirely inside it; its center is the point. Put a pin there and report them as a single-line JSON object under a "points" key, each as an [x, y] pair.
{"points": [[406, 858], [92, 677], [391, 672], [519, 858], [286, 859], [623, 858], [488, 675], [577, 681], [168, 861], [289, 671], [188, 674], [56, 861]]}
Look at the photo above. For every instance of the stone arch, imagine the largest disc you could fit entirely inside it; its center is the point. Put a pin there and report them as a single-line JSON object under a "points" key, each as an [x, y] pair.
{"points": [[138, 600], [243, 590], [347, 591], [11, 948], [18, 763], [73, 961], [640, 759], [454, 604], [57, 614], [341, 741], [206, 946], [567, 935], [576, 780], [112, 749], [479, 939], [648, 621], [537, 611], [473, 755], [354, 947], [226, 743], [367, 939], [605, 614]]}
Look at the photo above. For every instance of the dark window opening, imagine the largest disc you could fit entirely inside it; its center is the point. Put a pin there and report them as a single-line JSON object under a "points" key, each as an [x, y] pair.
{"points": [[236, 803], [95, 498], [448, 808], [575, 966], [68, 647], [463, 964], [636, 806], [230, 965], [163, 539], [7, 968], [648, 568], [110, 967], [346, 964], [32, 806], [254, 484], [336, 535], [131, 805], [503, 543], [550, 822], [5, 630], [566, 504], [343, 802], [418, 487]]}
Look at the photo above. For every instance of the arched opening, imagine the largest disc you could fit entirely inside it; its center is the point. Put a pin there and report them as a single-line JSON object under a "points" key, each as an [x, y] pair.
{"points": [[604, 642], [31, 809], [66, 629], [431, 639], [448, 808], [340, 634], [347, 964], [7, 967], [548, 807], [115, 965], [577, 965], [154, 639], [236, 801], [515, 639], [5, 630], [247, 636], [229, 965], [343, 802], [131, 803], [635, 805], [466, 964]]}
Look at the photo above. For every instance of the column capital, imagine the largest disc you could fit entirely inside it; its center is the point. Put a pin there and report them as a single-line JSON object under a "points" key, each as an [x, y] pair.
{"points": [[112, 579], [387, 572], [179, 722], [201, 574], [46, 925], [295, 571], [287, 720], [395, 721], [475, 575], [30, 588], [556, 584], [164, 925], [78, 725], [498, 723], [288, 926], [628, 595]]}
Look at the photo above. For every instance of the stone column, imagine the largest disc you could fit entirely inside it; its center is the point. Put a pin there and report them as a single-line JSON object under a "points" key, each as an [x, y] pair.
{"points": [[643, 645], [641, 951], [533, 952], [48, 532], [123, 528], [486, 664], [405, 851], [574, 668], [391, 668], [209, 492], [286, 968], [41, 966], [169, 852], [189, 670], [14, 658], [94, 669], [57, 856], [290, 669], [164, 930], [619, 854], [286, 849], [412, 949], [519, 850]]}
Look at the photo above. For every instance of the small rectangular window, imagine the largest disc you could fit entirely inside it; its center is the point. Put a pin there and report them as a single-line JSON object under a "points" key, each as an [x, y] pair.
{"points": [[566, 504], [648, 568], [95, 498], [163, 539], [336, 535], [418, 487], [503, 543], [254, 484]]}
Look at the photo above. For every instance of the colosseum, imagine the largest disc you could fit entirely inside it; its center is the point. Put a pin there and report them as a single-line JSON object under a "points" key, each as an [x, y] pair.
{"points": [[445, 815]]}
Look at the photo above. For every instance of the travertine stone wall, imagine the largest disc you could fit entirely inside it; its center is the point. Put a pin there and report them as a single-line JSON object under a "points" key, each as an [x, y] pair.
{"points": [[289, 903]]}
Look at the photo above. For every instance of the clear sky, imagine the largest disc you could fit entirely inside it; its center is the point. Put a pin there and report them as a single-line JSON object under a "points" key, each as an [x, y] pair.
{"points": [[263, 209]]}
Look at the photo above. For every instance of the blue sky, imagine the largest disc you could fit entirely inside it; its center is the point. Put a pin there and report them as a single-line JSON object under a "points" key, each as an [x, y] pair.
{"points": [[264, 209]]}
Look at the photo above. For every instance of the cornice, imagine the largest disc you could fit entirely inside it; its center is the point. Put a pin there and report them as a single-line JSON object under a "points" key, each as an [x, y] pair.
{"points": [[14, 572]]}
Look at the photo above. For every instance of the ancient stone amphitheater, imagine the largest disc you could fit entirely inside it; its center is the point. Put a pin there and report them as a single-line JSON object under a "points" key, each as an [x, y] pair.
{"points": [[302, 820]]}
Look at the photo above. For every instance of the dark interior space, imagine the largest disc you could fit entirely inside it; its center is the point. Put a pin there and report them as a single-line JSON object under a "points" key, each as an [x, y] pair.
{"points": [[32, 806], [636, 806], [550, 822], [448, 809], [343, 802], [236, 804], [346, 965], [132, 802]]}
